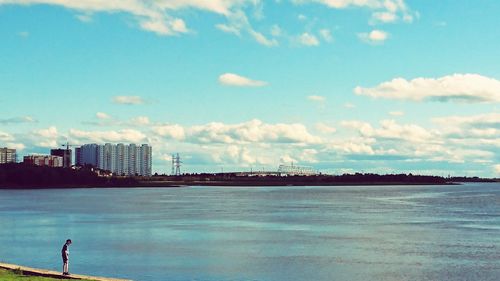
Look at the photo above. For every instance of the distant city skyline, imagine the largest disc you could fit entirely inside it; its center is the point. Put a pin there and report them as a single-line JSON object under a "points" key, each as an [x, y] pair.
{"points": [[383, 86], [120, 159]]}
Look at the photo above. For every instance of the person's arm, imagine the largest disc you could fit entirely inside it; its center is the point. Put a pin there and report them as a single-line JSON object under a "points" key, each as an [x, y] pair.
{"points": [[65, 252]]}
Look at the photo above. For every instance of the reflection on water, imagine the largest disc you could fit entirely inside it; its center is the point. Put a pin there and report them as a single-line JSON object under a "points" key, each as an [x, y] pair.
{"points": [[259, 233]]}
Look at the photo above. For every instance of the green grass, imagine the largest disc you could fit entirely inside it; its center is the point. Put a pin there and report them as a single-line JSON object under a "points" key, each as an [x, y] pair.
{"points": [[16, 275]]}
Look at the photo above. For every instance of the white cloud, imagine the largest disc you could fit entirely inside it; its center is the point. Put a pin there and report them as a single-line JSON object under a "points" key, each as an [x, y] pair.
{"points": [[479, 127], [152, 16], [46, 137], [18, 120], [391, 130], [176, 132], [383, 8], [488, 119], [308, 39], [457, 87], [309, 155], [237, 154], [496, 168], [5, 137], [458, 139], [353, 146], [316, 98], [231, 79], [102, 115], [469, 140], [326, 35], [374, 37], [157, 16], [341, 4], [140, 121], [238, 24], [178, 25], [385, 17], [162, 27], [160, 16], [253, 131], [129, 100], [263, 40], [156, 25], [17, 146], [50, 132], [228, 29], [287, 159], [84, 17], [125, 135], [324, 128]]}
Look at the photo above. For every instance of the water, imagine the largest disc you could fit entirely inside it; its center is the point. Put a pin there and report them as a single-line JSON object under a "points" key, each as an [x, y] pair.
{"points": [[259, 233]]}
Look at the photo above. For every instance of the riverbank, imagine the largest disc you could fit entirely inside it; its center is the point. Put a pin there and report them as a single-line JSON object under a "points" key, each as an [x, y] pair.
{"points": [[13, 272], [20, 176], [242, 179]]}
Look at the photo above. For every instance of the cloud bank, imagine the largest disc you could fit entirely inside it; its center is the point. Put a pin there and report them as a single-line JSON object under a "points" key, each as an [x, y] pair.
{"points": [[162, 17], [469, 88]]}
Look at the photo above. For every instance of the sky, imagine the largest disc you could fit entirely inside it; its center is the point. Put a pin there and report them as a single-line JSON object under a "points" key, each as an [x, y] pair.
{"points": [[343, 86]]}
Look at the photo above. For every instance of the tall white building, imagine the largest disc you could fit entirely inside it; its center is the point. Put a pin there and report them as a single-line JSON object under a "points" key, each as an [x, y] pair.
{"points": [[120, 159], [145, 160]]}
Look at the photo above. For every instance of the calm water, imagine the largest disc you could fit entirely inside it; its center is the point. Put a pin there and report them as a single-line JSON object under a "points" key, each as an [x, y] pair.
{"points": [[263, 233]]}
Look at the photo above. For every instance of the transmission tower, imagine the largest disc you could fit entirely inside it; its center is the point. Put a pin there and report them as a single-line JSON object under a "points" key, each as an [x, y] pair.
{"points": [[176, 165]]}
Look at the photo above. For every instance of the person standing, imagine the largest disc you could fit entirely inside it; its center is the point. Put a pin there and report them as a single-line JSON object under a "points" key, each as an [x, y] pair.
{"points": [[65, 257]]}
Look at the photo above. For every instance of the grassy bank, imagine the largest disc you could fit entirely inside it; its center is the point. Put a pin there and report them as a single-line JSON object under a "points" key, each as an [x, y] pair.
{"points": [[16, 275], [13, 272]]}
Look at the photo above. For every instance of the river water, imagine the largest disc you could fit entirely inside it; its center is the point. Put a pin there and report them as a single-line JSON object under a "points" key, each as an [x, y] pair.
{"points": [[259, 233]]}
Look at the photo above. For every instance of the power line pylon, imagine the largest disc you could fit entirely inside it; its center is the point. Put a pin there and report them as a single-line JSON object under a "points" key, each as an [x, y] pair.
{"points": [[176, 165]]}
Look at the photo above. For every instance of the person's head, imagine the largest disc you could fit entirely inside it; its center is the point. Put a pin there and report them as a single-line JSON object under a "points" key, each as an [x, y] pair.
{"points": [[68, 242]]}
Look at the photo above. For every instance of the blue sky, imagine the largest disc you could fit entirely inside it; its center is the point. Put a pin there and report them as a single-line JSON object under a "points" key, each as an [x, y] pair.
{"points": [[339, 85]]}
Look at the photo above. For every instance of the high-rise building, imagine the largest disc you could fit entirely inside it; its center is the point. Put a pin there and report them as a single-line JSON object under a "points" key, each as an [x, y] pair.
{"points": [[7, 155], [120, 159], [145, 160], [44, 160], [86, 155], [65, 154], [132, 160]]}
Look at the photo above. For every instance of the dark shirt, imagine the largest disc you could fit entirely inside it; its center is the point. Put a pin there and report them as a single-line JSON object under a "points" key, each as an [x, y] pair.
{"points": [[65, 252]]}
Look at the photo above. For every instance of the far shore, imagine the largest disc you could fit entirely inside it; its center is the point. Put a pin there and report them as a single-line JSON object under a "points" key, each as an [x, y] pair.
{"points": [[214, 183], [21, 176]]}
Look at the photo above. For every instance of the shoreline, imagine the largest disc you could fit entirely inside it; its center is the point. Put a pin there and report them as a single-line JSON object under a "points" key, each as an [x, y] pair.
{"points": [[215, 183], [19, 176], [30, 271]]}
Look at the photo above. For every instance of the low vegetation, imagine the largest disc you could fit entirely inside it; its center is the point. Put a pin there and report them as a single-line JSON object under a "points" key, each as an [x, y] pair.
{"points": [[19, 175], [17, 275]]}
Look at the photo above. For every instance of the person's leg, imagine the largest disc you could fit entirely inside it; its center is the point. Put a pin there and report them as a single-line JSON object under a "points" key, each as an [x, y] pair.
{"points": [[65, 267]]}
